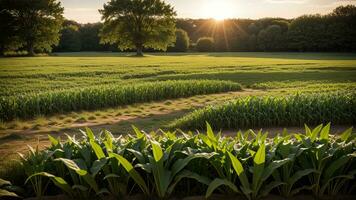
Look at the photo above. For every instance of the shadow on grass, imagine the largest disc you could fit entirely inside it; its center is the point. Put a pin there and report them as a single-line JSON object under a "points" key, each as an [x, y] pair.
{"points": [[276, 55], [248, 78]]}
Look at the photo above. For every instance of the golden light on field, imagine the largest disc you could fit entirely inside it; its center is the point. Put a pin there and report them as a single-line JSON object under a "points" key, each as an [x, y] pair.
{"points": [[219, 9]]}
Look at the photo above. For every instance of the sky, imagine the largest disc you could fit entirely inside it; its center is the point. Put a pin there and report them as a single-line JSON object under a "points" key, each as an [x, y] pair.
{"points": [[86, 11]]}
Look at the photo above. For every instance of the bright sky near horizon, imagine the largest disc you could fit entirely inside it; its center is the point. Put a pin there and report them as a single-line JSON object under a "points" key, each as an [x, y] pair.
{"points": [[86, 11]]}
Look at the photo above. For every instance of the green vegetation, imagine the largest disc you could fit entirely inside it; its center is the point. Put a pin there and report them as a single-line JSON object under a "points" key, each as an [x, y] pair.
{"points": [[34, 25], [132, 24], [316, 163], [81, 70], [275, 112], [31, 105], [205, 44]]}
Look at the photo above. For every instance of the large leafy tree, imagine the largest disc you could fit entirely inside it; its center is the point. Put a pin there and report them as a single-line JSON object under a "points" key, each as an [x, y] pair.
{"points": [[38, 22], [8, 41], [138, 24]]}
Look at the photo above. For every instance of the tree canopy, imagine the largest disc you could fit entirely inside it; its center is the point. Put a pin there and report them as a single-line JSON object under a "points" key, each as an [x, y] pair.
{"points": [[138, 24], [182, 42], [36, 23]]}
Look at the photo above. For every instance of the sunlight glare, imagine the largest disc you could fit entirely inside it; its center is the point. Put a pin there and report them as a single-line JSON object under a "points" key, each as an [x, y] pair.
{"points": [[219, 9]]}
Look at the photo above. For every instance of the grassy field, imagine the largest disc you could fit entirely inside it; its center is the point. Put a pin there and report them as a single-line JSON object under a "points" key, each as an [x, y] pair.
{"points": [[260, 74]]}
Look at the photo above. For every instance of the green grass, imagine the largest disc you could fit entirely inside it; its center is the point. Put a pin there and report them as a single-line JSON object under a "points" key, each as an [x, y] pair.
{"points": [[68, 71], [293, 110]]}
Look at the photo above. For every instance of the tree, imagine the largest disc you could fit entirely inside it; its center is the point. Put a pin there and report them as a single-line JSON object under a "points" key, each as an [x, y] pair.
{"points": [[271, 38], [182, 41], [138, 24], [205, 44], [70, 38], [8, 41], [38, 22]]}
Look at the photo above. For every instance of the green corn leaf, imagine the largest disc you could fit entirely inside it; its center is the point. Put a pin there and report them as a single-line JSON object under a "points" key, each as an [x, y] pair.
{"points": [[315, 132], [53, 140], [307, 130], [217, 183], [138, 133], [272, 167], [4, 183], [324, 133], [132, 172], [209, 132], [109, 141], [5, 193], [109, 176], [78, 166], [157, 151], [181, 163], [258, 167], [335, 165], [187, 174], [80, 187], [89, 133], [298, 175], [206, 140], [58, 181], [92, 182], [97, 149], [240, 171], [97, 166], [260, 156], [346, 134]]}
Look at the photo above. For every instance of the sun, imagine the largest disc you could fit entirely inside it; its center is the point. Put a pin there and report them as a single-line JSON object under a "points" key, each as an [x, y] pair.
{"points": [[219, 9]]}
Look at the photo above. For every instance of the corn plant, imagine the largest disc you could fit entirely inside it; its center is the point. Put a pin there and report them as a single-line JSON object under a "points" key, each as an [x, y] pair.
{"points": [[36, 162], [31, 105], [332, 161], [294, 110], [291, 173], [166, 168], [7, 190], [156, 164]]}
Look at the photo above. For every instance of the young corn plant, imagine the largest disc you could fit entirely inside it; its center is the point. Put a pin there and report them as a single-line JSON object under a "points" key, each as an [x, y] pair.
{"points": [[166, 168], [332, 161], [291, 173], [37, 161], [253, 182]]}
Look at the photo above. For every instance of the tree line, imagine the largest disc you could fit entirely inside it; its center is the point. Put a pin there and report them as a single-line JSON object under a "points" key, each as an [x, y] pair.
{"points": [[38, 26]]}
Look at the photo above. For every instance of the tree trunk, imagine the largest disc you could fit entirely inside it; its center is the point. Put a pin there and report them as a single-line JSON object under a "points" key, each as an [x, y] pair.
{"points": [[139, 52], [2, 49], [30, 49]]}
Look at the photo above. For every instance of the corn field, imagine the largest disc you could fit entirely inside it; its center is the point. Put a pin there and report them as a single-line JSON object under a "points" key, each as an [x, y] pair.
{"points": [[30, 105], [165, 164], [275, 111]]}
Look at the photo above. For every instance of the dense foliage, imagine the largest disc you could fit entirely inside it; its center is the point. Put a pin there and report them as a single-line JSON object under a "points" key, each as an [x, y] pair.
{"points": [[205, 44], [138, 24], [164, 165], [331, 32], [34, 24], [275, 111], [182, 42], [30, 105]]}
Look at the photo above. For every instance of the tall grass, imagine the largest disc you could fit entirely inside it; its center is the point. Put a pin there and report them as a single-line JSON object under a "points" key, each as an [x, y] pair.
{"points": [[275, 111], [30, 105], [166, 164]]}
